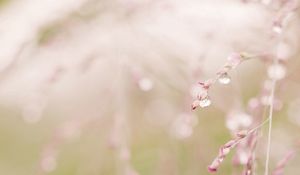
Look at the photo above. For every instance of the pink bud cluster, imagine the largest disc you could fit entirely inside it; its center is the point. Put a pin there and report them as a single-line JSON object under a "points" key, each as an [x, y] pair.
{"points": [[276, 71], [252, 141], [222, 76], [225, 149], [202, 95]]}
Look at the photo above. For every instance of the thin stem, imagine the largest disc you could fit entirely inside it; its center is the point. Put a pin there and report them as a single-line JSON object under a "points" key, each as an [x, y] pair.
{"points": [[270, 126], [259, 126], [248, 56], [252, 131]]}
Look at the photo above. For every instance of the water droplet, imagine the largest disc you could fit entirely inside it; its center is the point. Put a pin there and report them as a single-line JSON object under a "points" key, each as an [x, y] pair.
{"points": [[276, 71], [224, 79], [205, 102]]}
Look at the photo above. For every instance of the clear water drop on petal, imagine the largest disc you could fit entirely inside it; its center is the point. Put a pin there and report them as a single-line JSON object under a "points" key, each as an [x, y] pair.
{"points": [[224, 79], [205, 102]]}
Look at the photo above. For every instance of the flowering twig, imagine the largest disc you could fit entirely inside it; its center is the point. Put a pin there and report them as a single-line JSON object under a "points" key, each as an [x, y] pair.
{"points": [[226, 148], [222, 76], [252, 141], [278, 24]]}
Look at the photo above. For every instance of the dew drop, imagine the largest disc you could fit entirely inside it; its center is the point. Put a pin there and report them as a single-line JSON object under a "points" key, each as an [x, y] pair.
{"points": [[205, 102], [224, 79]]}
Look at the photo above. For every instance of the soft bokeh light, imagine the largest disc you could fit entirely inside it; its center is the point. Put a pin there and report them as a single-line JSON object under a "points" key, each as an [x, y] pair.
{"points": [[148, 87]]}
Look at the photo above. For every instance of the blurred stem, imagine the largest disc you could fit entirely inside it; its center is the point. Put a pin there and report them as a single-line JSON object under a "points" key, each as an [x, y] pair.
{"points": [[270, 124]]}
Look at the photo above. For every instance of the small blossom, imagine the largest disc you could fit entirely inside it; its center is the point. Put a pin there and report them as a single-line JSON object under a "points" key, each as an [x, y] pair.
{"points": [[195, 104], [214, 166], [195, 90], [206, 84], [226, 148], [242, 134], [234, 60], [224, 78], [202, 94]]}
